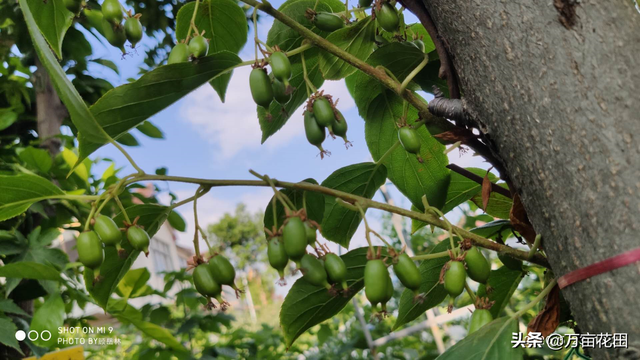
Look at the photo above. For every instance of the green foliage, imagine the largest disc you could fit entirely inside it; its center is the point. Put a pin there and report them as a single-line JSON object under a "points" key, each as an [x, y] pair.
{"points": [[53, 20], [503, 282], [19, 192], [339, 223], [307, 305], [433, 291], [357, 40], [493, 342], [381, 109], [224, 25], [314, 206], [288, 39]]}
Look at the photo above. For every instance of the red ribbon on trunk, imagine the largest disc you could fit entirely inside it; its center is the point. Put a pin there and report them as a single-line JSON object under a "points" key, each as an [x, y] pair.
{"points": [[600, 267]]}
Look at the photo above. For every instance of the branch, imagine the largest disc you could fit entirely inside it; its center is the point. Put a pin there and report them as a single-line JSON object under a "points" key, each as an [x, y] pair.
{"points": [[364, 202], [448, 108], [471, 176]]}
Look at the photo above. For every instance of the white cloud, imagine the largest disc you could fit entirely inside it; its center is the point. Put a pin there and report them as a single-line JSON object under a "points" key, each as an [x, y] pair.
{"points": [[233, 126]]}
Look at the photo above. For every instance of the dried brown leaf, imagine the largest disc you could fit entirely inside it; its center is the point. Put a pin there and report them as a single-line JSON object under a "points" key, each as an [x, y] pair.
{"points": [[520, 220], [486, 191], [455, 135], [548, 318]]}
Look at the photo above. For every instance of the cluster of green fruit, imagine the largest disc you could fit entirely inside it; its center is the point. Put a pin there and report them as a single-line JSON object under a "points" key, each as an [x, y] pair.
{"points": [[378, 286], [320, 113], [455, 272], [198, 47], [109, 22], [265, 88], [290, 243], [385, 12], [105, 231], [209, 277]]}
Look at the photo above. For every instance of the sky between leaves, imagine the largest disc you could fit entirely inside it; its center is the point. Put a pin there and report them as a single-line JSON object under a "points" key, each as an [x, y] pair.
{"points": [[208, 139]]}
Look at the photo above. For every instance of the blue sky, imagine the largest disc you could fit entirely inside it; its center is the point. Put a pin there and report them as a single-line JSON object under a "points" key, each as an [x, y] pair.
{"points": [[208, 139]]}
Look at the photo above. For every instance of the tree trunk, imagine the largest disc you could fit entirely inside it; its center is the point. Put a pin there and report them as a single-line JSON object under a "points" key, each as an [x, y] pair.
{"points": [[555, 86], [50, 110]]}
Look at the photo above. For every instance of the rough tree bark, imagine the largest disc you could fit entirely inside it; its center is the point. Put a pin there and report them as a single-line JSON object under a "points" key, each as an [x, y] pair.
{"points": [[50, 110], [555, 84]]}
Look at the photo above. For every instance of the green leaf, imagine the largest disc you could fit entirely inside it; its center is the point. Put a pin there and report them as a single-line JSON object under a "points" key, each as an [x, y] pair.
{"points": [[71, 159], [224, 24], [128, 140], [107, 63], [504, 282], [307, 305], [91, 134], [412, 177], [7, 118], [53, 20], [126, 106], [356, 40], [36, 158], [462, 188], [315, 206], [152, 330], [29, 270], [7, 306], [493, 229], [381, 109], [150, 130], [177, 222], [433, 291], [339, 224], [499, 205], [18, 192], [114, 268], [288, 39], [493, 342], [8, 334], [132, 282], [49, 317]]}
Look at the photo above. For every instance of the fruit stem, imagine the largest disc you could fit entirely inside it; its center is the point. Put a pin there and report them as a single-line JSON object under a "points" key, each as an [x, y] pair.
{"points": [[535, 246], [453, 147], [126, 155], [124, 212], [275, 213], [346, 10], [199, 192], [192, 23], [413, 74], [269, 48], [91, 213], [306, 77], [538, 298], [470, 292], [431, 256], [276, 193], [366, 227], [255, 30]]}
